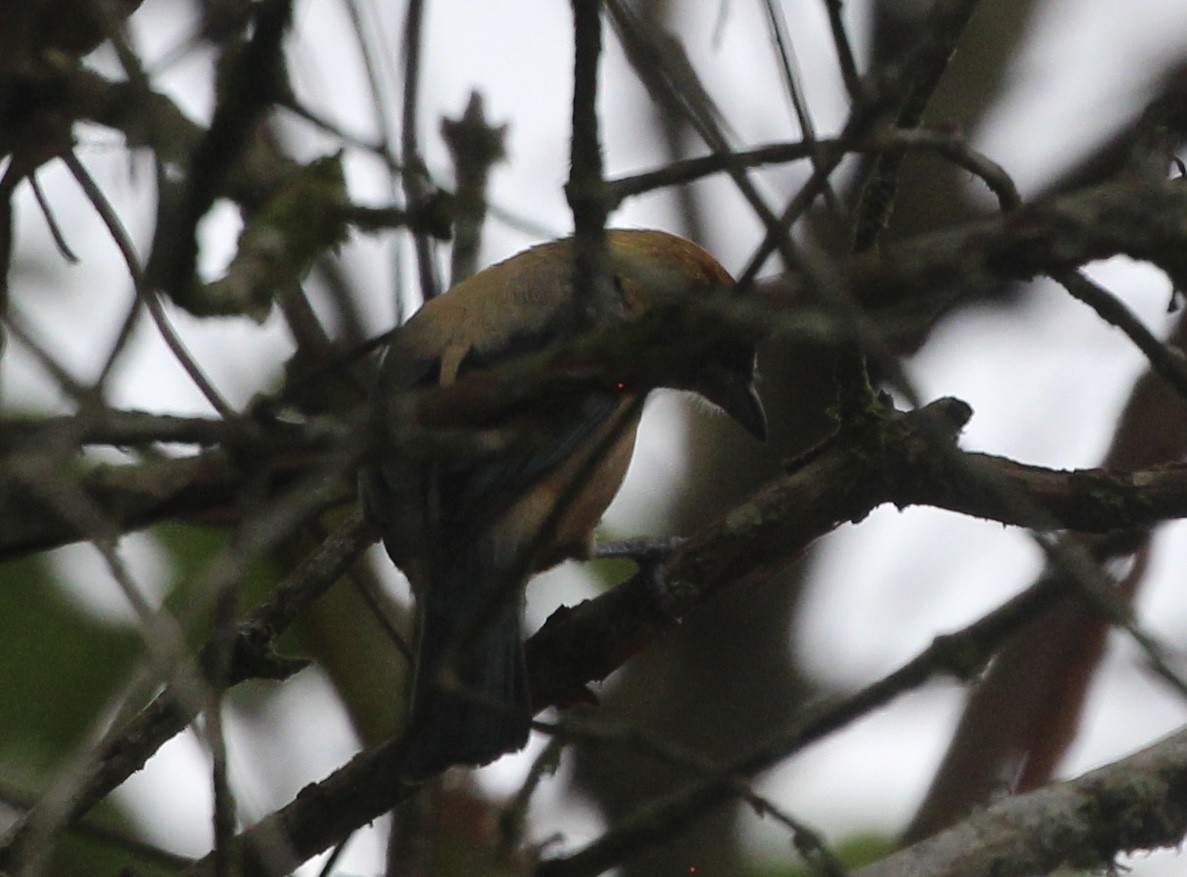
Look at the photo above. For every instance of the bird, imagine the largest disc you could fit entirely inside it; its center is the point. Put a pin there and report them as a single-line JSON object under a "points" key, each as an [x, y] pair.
{"points": [[462, 530]]}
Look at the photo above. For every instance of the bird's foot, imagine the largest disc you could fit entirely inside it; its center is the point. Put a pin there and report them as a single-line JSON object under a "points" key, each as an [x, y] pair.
{"points": [[649, 553]]}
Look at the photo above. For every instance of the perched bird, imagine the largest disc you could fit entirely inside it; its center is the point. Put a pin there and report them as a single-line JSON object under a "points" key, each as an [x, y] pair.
{"points": [[460, 530]]}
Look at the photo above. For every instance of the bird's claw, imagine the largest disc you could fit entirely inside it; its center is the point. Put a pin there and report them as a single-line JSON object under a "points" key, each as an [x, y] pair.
{"points": [[649, 554]]}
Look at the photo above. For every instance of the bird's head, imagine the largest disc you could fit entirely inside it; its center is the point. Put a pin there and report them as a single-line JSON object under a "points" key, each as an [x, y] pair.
{"points": [[661, 274]]}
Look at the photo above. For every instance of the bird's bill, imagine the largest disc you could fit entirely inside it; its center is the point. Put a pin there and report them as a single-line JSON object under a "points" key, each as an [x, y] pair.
{"points": [[738, 398]]}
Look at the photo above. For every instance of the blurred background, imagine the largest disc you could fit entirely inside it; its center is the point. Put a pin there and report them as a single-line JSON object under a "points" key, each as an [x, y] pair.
{"points": [[1041, 87]]}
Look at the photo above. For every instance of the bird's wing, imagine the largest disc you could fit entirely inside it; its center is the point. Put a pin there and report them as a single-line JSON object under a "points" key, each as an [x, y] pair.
{"points": [[443, 348], [471, 494]]}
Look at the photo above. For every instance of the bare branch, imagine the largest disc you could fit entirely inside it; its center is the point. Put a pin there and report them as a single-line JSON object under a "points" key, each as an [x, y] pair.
{"points": [[1138, 803]]}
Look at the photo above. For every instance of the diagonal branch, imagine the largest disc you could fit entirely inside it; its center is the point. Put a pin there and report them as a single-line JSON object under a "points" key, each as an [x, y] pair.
{"points": [[1138, 803], [896, 462]]}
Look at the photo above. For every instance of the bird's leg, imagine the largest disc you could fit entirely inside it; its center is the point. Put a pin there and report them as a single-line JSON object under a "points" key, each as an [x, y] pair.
{"points": [[649, 553]]}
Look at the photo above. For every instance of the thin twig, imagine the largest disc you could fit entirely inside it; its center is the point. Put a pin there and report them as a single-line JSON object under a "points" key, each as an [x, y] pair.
{"points": [[377, 148], [789, 69], [380, 103], [1094, 585], [106, 835], [223, 812], [591, 271], [128, 250], [127, 748], [844, 49], [51, 221], [415, 178], [923, 74], [662, 65], [70, 385], [328, 866], [1169, 363], [699, 768], [513, 816], [123, 338], [160, 633], [948, 145], [961, 653], [882, 91]]}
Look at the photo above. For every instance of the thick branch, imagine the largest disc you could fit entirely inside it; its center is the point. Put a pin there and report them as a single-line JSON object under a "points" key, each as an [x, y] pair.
{"points": [[907, 285], [1131, 217], [137, 495], [897, 460], [1138, 803], [114, 427]]}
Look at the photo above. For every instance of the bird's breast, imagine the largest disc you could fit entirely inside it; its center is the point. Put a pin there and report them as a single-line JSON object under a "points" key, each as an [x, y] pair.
{"points": [[578, 490]]}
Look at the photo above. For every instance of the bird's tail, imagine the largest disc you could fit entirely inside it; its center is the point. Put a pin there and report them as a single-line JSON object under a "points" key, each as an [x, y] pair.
{"points": [[488, 713]]}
